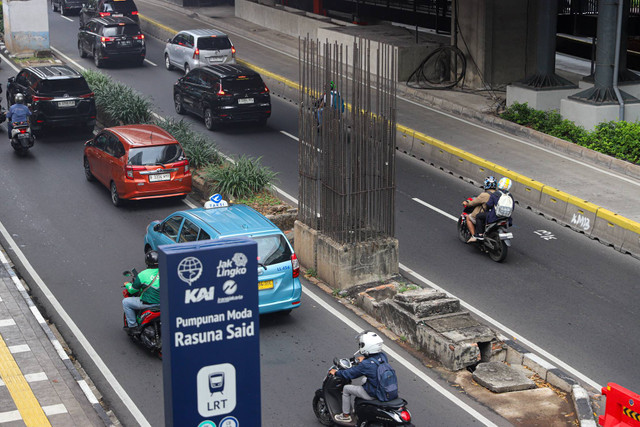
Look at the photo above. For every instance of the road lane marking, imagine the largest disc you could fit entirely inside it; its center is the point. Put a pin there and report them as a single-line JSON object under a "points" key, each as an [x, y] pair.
{"points": [[411, 367], [146, 60], [28, 407], [75, 331], [440, 211], [64, 17], [67, 58], [6, 61]]}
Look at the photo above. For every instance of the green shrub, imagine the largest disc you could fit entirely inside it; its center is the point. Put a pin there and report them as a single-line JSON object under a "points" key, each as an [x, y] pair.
{"points": [[198, 150], [241, 179]]}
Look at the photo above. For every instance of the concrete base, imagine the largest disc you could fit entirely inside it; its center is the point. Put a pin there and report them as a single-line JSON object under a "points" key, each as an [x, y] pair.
{"points": [[545, 100], [305, 240], [589, 115], [345, 266], [500, 378]]}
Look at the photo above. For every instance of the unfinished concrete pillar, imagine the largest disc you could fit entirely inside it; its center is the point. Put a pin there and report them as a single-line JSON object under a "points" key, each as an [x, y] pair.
{"points": [[26, 26]]}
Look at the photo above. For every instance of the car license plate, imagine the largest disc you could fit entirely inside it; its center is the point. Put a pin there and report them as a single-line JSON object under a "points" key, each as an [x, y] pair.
{"points": [[125, 43], [117, 15], [245, 101], [65, 104], [160, 177], [216, 58], [267, 284]]}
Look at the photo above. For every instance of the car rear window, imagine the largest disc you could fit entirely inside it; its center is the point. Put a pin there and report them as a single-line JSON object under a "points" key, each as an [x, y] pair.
{"points": [[240, 83], [62, 86], [155, 155], [123, 6], [272, 249], [120, 30], [214, 43]]}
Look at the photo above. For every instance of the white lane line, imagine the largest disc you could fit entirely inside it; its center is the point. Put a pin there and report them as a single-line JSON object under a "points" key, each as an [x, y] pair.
{"points": [[91, 352], [412, 368], [508, 331], [285, 133], [440, 211], [5, 60], [64, 17], [67, 58], [154, 64]]}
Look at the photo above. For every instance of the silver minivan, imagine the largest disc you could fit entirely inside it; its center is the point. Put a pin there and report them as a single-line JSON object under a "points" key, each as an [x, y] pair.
{"points": [[191, 49]]}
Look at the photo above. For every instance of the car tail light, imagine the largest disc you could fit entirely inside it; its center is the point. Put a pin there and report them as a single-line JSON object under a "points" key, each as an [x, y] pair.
{"points": [[23, 131], [87, 95], [139, 37], [405, 415], [103, 14], [135, 12], [129, 169], [106, 39], [233, 51], [196, 54], [295, 264], [41, 98], [184, 163], [266, 89]]}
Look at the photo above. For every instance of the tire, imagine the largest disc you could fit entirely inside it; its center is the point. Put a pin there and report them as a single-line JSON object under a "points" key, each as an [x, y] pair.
{"points": [[262, 122], [97, 60], [81, 51], [140, 62], [209, 123], [499, 254], [21, 151], [167, 62], [321, 410], [177, 103], [187, 68], [115, 197], [87, 170], [463, 232]]}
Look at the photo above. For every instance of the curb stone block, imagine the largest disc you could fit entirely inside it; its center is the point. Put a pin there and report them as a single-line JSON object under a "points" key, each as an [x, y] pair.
{"points": [[553, 202], [537, 364], [560, 379], [609, 228]]}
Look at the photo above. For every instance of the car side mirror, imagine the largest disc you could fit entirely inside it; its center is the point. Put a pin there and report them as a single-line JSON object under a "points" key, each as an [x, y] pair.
{"points": [[157, 227], [11, 79]]}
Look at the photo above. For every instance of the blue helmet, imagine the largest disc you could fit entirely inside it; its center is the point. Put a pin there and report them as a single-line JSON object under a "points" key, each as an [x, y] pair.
{"points": [[490, 183]]}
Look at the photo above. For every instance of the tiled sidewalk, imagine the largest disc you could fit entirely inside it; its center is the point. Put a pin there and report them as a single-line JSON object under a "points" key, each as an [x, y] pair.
{"points": [[39, 386]]}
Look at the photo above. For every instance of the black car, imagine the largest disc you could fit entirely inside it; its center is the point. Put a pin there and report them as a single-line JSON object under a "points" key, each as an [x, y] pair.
{"points": [[104, 8], [108, 39], [223, 93], [66, 6], [57, 95]]}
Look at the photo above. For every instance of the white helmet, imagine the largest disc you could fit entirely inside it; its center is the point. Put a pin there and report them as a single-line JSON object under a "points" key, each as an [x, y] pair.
{"points": [[369, 342], [504, 184]]}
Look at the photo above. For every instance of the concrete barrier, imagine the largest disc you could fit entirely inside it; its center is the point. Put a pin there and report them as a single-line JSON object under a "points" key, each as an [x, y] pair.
{"points": [[527, 192], [610, 228], [631, 240], [553, 202], [580, 215], [405, 139]]}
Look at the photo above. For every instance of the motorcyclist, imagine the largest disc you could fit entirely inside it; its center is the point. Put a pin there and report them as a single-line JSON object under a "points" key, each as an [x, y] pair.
{"points": [[18, 112], [489, 215], [370, 349], [145, 291], [335, 101], [479, 205]]}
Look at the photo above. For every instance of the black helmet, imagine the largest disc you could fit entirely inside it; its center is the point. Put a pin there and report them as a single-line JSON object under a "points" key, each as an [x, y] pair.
{"points": [[19, 98], [151, 258]]}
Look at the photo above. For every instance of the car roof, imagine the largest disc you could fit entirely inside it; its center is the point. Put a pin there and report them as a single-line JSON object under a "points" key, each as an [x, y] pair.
{"points": [[229, 70], [51, 72], [233, 220], [143, 135], [113, 20], [205, 32]]}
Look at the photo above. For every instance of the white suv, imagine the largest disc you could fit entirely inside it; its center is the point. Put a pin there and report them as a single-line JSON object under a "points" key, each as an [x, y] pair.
{"points": [[191, 49]]}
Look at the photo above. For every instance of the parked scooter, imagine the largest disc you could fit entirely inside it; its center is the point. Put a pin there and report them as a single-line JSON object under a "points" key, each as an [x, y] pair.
{"points": [[496, 240], [148, 322], [327, 402], [21, 137]]}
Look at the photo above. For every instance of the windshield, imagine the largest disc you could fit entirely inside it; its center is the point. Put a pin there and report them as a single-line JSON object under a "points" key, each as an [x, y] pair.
{"points": [[272, 249], [63, 86], [242, 83], [155, 155], [119, 30], [213, 43], [122, 6]]}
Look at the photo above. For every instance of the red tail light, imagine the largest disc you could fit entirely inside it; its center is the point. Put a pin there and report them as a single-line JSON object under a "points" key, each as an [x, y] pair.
{"points": [[233, 51], [135, 12], [23, 131], [184, 163], [405, 415], [295, 264], [41, 98], [106, 39], [87, 95], [196, 54], [139, 37], [266, 89], [129, 169], [103, 14], [221, 92]]}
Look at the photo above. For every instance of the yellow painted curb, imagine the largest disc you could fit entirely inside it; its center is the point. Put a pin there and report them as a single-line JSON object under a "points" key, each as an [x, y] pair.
{"points": [[22, 395], [157, 24], [615, 219], [582, 205]]}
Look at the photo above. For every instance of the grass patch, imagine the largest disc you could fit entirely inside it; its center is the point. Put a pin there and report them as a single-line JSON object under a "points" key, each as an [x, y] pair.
{"points": [[241, 179]]}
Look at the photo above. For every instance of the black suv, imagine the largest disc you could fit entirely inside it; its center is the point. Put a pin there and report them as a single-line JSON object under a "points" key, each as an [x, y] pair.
{"points": [[104, 8], [111, 39], [57, 95], [223, 93], [66, 6]]}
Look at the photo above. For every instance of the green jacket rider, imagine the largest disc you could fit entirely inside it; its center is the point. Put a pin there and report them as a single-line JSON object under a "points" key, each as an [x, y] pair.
{"points": [[144, 291]]}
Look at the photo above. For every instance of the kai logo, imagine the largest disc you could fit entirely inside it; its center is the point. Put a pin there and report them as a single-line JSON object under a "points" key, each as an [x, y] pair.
{"points": [[199, 294]]}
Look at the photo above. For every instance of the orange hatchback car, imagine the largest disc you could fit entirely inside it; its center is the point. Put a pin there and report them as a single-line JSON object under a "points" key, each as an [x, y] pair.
{"points": [[137, 162]]}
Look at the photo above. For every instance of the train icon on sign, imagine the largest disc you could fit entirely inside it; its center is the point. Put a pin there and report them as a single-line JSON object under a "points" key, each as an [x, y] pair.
{"points": [[216, 382]]}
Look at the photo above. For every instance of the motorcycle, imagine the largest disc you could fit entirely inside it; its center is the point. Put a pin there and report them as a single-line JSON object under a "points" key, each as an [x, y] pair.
{"points": [[21, 137], [327, 402], [497, 239], [148, 321]]}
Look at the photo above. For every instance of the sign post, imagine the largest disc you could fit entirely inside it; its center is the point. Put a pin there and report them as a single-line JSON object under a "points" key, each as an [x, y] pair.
{"points": [[210, 330]]}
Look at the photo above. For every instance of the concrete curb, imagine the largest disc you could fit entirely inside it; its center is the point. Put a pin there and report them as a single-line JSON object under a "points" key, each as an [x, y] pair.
{"points": [[89, 394]]}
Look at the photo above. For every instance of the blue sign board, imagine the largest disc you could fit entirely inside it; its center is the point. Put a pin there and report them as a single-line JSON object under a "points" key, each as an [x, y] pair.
{"points": [[210, 333]]}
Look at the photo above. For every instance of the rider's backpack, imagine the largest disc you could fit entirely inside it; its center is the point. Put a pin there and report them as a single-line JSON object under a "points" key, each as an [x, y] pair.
{"points": [[387, 382], [504, 205]]}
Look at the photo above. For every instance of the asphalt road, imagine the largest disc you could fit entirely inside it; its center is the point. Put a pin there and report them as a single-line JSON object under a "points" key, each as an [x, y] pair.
{"points": [[571, 296]]}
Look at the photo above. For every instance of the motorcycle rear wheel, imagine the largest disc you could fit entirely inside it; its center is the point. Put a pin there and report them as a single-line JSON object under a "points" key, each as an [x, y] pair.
{"points": [[321, 410], [499, 254], [463, 232]]}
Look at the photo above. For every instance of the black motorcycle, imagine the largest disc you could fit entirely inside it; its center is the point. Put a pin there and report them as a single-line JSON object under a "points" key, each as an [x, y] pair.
{"points": [[148, 322], [21, 137], [496, 240], [327, 402]]}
